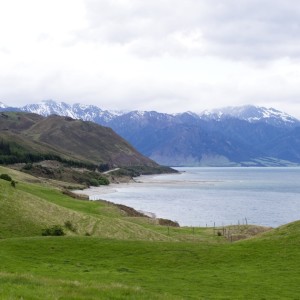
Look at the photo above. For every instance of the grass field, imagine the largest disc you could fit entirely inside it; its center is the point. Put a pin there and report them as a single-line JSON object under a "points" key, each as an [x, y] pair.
{"points": [[91, 268], [131, 258]]}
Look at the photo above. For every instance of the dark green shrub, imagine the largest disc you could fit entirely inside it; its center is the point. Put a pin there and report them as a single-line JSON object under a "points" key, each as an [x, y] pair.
{"points": [[55, 230], [103, 180], [13, 183], [5, 177], [93, 182], [166, 222]]}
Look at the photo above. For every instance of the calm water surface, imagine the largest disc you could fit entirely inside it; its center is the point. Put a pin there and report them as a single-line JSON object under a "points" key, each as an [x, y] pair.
{"points": [[224, 196]]}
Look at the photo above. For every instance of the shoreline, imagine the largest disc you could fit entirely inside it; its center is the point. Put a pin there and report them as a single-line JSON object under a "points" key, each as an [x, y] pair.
{"points": [[204, 199], [112, 187], [94, 193]]}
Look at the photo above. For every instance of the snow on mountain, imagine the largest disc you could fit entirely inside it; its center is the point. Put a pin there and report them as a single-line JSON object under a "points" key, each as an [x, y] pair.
{"points": [[249, 113], [2, 105], [49, 107], [75, 111], [252, 114], [150, 116]]}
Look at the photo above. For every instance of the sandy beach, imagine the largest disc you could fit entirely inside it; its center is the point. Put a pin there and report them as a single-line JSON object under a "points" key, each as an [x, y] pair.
{"points": [[94, 193]]}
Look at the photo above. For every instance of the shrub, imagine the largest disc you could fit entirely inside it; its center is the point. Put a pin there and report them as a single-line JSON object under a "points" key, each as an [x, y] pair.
{"points": [[5, 177], [13, 183], [55, 230], [166, 222], [103, 180], [93, 182]]}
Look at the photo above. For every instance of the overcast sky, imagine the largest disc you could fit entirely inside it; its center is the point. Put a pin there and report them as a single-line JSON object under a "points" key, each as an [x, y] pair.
{"points": [[165, 55]]}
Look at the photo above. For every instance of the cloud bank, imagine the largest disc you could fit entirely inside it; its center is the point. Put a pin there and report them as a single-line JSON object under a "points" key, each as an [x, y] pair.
{"points": [[163, 55]]}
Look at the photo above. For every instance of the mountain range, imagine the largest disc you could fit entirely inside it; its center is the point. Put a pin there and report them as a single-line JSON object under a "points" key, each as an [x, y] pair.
{"points": [[231, 136]]}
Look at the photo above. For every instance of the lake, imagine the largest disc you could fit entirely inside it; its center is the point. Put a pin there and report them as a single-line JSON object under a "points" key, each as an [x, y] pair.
{"points": [[220, 196]]}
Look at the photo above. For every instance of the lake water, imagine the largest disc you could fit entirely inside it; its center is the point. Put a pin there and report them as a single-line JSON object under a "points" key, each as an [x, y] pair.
{"points": [[224, 196]]}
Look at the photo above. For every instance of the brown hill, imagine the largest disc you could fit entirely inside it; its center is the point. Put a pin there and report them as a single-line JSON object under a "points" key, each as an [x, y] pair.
{"points": [[68, 138]]}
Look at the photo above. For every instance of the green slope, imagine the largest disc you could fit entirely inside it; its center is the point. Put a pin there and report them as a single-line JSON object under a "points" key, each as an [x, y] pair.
{"points": [[131, 258], [41, 203], [24, 214], [94, 268]]}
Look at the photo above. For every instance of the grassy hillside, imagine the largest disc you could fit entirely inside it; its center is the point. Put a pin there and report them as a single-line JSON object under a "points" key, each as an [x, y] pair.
{"points": [[30, 207], [95, 268], [125, 257]]}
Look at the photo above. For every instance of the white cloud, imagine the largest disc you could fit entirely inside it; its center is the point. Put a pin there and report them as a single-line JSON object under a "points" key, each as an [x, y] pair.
{"points": [[235, 29], [160, 54]]}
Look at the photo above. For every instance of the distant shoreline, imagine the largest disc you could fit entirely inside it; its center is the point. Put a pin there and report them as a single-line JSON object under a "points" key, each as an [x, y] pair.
{"points": [[94, 193], [211, 196]]}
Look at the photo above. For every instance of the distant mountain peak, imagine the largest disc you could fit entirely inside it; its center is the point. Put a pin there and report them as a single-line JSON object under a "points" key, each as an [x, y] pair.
{"points": [[186, 113], [249, 113], [252, 114], [76, 111], [2, 105]]}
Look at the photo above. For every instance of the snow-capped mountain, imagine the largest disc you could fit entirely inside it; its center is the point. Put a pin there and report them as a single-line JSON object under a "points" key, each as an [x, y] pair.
{"points": [[252, 114], [75, 111], [2, 105], [232, 136], [249, 113]]}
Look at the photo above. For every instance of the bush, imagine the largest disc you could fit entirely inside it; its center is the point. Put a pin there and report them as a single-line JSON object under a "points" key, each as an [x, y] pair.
{"points": [[98, 180], [55, 230], [5, 177], [13, 183], [166, 222], [93, 182], [103, 180]]}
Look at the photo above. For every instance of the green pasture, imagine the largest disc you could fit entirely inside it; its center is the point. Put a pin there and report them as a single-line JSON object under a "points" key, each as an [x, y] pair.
{"points": [[111, 255]]}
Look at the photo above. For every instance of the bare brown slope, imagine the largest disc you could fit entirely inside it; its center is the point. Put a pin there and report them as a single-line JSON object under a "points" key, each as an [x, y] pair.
{"points": [[17, 122], [74, 139]]}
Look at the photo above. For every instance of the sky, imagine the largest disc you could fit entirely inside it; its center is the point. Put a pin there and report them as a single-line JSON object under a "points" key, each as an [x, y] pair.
{"points": [[164, 55]]}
